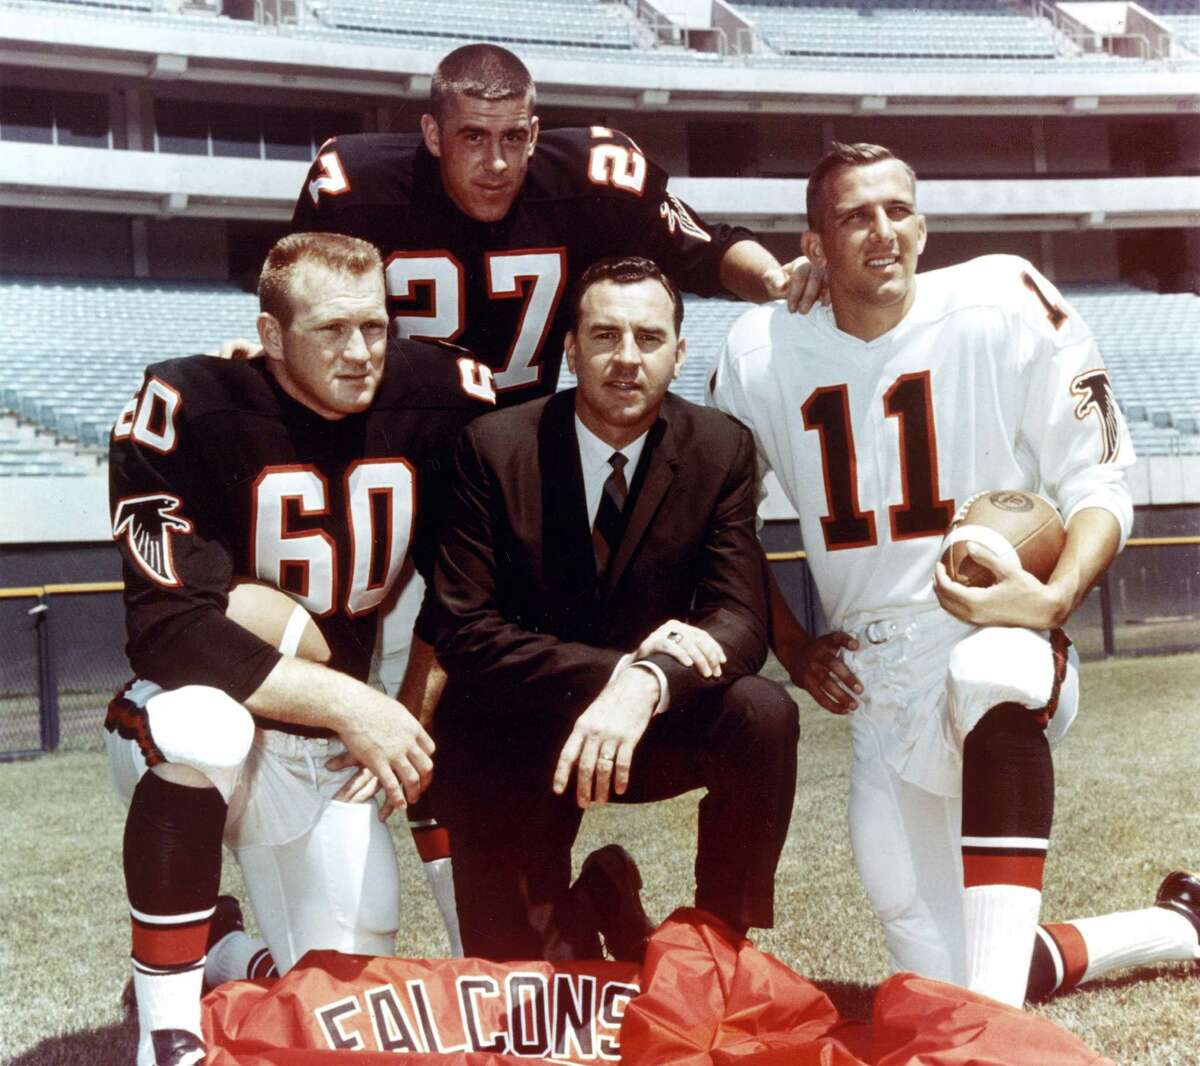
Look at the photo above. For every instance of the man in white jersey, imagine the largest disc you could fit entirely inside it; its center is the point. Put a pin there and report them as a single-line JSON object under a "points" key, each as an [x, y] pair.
{"points": [[881, 415]]}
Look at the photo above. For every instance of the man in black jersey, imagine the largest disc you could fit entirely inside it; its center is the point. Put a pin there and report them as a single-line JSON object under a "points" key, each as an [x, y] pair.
{"points": [[312, 470], [484, 224]]}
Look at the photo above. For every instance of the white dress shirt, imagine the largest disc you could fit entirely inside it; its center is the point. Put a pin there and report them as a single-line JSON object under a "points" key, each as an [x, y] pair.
{"points": [[594, 455]]}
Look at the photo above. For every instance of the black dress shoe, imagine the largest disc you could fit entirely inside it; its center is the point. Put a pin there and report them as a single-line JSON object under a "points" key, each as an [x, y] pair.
{"points": [[1180, 892], [609, 886]]}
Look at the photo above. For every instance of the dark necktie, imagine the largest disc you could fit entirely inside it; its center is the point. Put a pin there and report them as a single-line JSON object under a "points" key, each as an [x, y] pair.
{"points": [[606, 532]]}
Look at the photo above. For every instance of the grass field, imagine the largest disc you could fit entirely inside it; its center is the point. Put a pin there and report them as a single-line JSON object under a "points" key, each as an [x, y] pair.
{"points": [[1128, 812]]}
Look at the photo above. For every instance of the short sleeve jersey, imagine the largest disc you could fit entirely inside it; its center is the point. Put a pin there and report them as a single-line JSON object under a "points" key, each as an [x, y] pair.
{"points": [[991, 381], [502, 289], [216, 473]]}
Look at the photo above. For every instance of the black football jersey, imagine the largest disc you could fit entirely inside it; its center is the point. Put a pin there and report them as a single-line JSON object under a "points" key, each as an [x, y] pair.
{"points": [[216, 473], [502, 288]]}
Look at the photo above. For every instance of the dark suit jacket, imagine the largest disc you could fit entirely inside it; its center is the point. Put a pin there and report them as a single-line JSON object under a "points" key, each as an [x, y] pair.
{"points": [[527, 630]]}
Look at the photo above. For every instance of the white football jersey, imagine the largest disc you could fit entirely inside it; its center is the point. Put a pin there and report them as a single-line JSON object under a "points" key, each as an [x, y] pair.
{"points": [[991, 381]]}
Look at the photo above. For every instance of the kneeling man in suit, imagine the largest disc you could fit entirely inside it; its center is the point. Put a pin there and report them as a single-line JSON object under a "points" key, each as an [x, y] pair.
{"points": [[604, 619]]}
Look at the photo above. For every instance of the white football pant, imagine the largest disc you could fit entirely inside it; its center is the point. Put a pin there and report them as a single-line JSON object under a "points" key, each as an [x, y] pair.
{"points": [[320, 873], [927, 680]]}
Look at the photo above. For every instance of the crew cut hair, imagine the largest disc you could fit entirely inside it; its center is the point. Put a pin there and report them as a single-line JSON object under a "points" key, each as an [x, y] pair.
{"points": [[843, 157], [482, 71], [624, 270], [335, 251]]}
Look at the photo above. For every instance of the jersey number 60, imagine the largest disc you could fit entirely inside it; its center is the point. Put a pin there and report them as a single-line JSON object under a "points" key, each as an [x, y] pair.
{"points": [[380, 503]]}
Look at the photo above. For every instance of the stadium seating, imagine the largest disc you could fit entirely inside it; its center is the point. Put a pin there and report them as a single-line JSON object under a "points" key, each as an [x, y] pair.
{"points": [[1182, 16], [921, 35], [914, 28], [73, 383], [589, 25]]}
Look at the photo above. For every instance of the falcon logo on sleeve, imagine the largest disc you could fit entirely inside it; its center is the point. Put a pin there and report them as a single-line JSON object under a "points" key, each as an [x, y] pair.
{"points": [[1096, 397], [146, 523], [678, 217]]}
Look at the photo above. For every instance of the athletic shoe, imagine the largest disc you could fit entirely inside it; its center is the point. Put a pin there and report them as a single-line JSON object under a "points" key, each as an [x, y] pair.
{"points": [[226, 919], [1180, 892], [611, 885], [177, 1047]]}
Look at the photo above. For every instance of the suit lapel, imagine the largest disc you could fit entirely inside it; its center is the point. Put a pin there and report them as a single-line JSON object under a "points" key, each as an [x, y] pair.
{"points": [[656, 471], [568, 564]]}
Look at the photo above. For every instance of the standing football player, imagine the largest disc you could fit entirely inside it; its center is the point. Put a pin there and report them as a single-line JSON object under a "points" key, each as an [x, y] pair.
{"points": [[309, 470], [881, 415]]}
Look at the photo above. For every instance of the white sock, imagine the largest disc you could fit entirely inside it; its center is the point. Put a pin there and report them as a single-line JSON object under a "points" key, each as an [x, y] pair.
{"points": [[237, 956], [166, 1001], [1000, 922], [440, 875], [1136, 938]]}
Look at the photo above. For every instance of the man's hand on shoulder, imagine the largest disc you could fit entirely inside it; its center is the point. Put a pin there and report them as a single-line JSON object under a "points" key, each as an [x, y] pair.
{"points": [[601, 746], [801, 282], [238, 348]]}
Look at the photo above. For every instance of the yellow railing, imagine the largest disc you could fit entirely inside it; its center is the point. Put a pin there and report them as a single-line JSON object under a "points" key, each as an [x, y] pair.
{"points": [[1133, 542], [35, 591], [38, 591]]}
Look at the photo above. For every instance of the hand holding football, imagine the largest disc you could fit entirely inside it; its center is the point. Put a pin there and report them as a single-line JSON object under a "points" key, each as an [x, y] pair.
{"points": [[1010, 523]]}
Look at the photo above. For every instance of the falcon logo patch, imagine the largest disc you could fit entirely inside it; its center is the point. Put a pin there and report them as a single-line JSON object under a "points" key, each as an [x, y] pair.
{"points": [[677, 216], [146, 523], [1096, 397]]}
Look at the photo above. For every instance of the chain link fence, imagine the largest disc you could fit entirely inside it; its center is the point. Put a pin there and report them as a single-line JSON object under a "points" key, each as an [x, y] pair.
{"points": [[21, 717], [64, 656]]}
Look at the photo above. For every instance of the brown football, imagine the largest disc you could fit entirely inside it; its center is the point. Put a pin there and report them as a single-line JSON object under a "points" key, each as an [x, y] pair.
{"points": [[1008, 521], [267, 612]]}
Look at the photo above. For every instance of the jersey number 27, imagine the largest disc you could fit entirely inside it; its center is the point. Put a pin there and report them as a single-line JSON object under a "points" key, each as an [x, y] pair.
{"points": [[536, 276]]}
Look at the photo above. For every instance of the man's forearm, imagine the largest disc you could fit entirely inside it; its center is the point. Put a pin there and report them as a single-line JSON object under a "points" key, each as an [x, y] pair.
{"points": [[1093, 539], [309, 694], [785, 630], [745, 270]]}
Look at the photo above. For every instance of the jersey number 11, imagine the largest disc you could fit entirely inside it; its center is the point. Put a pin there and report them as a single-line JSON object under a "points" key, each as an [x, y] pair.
{"points": [[922, 512]]}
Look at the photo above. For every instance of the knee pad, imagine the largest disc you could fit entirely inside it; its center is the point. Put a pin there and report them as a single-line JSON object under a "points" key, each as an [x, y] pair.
{"points": [[200, 727], [1000, 665]]}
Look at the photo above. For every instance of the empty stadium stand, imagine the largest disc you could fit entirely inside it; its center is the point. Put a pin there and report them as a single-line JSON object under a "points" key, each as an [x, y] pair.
{"points": [[974, 29], [71, 384], [1183, 16], [590, 25], [918, 35]]}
